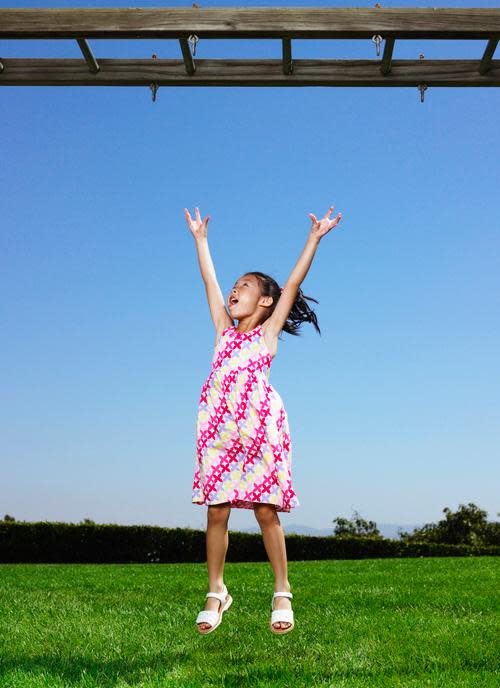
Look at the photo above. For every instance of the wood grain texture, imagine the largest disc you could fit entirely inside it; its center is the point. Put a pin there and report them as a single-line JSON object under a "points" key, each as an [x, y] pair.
{"points": [[260, 22], [281, 23], [124, 72]]}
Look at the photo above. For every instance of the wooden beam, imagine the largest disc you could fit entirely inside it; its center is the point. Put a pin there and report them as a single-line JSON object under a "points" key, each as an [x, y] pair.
{"points": [[486, 60], [87, 53], [254, 22], [187, 56], [133, 72], [287, 56], [385, 67]]}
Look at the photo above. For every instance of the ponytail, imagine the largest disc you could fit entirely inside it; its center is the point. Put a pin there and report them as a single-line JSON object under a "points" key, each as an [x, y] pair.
{"points": [[300, 311]]}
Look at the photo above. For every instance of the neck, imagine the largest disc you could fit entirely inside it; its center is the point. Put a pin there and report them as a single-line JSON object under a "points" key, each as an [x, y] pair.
{"points": [[246, 327]]}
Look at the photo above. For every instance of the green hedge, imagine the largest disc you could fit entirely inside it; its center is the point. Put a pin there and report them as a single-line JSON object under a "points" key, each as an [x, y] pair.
{"points": [[52, 542]]}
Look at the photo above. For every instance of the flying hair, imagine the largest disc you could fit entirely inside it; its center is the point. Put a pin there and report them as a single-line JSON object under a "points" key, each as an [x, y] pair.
{"points": [[300, 312]]}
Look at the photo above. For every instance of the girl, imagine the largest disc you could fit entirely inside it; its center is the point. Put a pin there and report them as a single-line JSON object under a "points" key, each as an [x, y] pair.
{"points": [[243, 437]]}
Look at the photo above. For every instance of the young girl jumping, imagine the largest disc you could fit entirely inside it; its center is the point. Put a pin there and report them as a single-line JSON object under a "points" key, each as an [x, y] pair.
{"points": [[243, 443]]}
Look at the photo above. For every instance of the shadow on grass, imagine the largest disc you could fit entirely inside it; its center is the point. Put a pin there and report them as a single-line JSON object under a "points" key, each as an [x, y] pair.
{"points": [[183, 669], [72, 668]]}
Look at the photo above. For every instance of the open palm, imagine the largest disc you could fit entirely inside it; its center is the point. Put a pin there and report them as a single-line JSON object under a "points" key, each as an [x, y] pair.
{"points": [[197, 227], [321, 227]]}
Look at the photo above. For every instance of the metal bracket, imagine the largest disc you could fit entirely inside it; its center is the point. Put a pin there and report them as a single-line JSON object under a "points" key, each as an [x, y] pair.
{"points": [[422, 87], [193, 39], [377, 40], [154, 85]]}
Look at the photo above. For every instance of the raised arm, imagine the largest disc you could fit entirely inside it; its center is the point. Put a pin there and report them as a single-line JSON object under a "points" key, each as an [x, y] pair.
{"points": [[199, 230], [289, 293]]}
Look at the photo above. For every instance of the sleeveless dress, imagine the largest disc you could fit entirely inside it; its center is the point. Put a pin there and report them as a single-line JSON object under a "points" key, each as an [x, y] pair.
{"points": [[243, 444]]}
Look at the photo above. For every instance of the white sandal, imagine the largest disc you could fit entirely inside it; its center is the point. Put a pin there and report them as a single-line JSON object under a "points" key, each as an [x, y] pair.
{"points": [[212, 617], [285, 615]]}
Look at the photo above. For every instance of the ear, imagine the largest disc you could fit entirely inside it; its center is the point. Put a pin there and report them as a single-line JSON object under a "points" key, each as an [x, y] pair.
{"points": [[266, 300]]}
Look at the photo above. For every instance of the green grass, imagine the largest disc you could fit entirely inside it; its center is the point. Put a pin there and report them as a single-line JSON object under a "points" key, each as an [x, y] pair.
{"points": [[373, 622]]}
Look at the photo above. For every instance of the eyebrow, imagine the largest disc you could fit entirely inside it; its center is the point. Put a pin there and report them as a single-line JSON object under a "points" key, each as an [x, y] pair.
{"points": [[244, 282]]}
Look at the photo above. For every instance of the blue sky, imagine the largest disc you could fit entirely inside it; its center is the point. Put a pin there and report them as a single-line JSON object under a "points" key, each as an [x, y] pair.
{"points": [[107, 338]]}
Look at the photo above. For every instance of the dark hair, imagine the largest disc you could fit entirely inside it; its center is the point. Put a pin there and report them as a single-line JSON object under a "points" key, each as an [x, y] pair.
{"points": [[300, 311]]}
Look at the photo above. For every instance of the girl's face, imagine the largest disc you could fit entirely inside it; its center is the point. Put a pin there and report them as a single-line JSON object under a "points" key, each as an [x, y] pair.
{"points": [[244, 297]]}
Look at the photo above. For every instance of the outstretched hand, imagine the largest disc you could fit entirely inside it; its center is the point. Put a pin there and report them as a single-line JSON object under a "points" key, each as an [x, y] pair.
{"points": [[197, 227], [321, 227]]}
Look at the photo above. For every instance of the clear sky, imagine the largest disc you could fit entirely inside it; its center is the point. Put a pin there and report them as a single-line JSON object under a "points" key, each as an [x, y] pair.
{"points": [[106, 333]]}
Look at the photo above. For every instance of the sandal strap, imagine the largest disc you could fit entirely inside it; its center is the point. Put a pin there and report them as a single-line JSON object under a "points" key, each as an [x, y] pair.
{"points": [[207, 616], [282, 615], [283, 594], [221, 596]]}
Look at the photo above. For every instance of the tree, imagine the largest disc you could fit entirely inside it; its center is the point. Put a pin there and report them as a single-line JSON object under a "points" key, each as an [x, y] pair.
{"points": [[356, 527], [8, 518], [466, 526], [492, 533]]}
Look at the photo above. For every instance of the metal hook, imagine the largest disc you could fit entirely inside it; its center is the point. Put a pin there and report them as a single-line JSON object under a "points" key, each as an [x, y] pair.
{"points": [[422, 87], [153, 86], [377, 40], [193, 39]]}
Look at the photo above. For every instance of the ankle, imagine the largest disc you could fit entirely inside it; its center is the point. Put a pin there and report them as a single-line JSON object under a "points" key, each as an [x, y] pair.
{"points": [[217, 586], [282, 587]]}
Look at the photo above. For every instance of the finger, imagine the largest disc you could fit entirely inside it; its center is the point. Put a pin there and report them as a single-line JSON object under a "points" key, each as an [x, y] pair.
{"points": [[313, 217], [198, 216], [336, 220], [205, 221], [329, 211], [186, 212]]}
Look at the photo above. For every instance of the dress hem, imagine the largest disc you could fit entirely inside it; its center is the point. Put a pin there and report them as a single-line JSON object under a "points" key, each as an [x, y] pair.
{"points": [[246, 504]]}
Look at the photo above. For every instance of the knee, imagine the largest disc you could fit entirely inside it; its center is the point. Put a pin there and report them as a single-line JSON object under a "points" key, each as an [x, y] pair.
{"points": [[266, 514], [218, 514]]}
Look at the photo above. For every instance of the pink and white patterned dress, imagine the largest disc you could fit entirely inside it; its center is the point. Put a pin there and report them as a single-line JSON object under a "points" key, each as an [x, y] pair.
{"points": [[243, 444]]}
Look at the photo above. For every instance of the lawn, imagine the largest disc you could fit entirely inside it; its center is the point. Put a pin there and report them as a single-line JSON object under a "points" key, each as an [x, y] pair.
{"points": [[372, 622]]}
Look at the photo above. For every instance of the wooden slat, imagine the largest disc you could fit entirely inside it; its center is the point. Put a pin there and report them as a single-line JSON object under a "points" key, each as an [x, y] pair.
{"points": [[126, 72], [255, 22], [287, 56], [385, 67], [487, 58], [87, 53], [187, 55]]}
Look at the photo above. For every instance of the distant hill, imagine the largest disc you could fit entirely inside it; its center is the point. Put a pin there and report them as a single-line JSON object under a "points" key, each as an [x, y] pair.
{"points": [[388, 530]]}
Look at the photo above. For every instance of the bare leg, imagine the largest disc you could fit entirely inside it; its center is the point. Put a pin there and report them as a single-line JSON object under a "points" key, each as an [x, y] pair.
{"points": [[274, 542], [217, 544]]}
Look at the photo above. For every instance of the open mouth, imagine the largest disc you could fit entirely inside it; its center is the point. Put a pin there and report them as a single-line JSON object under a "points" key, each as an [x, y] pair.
{"points": [[232, 301]]}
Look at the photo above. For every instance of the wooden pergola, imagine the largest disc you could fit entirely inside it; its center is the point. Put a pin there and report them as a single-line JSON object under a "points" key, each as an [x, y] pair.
{"points": [[190, 25]]}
